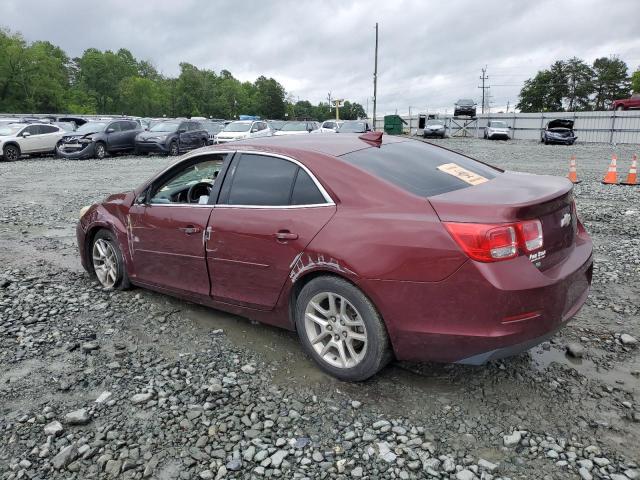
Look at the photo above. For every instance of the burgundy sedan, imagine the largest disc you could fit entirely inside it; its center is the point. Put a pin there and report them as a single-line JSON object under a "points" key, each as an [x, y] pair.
{"points": [[370, 248]]}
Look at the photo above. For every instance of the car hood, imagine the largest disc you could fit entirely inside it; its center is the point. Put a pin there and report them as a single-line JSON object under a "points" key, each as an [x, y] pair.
{"points": [[76, 137], [291, 132], [435, 127], [145, 135], [560, 123], [232, 134]]}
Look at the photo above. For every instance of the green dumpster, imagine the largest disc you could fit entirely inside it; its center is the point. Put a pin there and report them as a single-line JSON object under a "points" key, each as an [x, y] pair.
{"points": [[393, 124]]}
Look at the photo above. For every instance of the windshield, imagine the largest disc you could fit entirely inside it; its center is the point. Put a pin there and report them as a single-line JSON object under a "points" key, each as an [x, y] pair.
{"points": [[213, 127], [237, 127], [466, 101], [497, 124], [165, 127], [6, 130], [91, 127], [434, 122], [276, 124], [294, 127], [352, 127]]}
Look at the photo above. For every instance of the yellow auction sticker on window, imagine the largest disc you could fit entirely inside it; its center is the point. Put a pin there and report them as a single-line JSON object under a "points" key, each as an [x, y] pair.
{"points": [[462, 173]]}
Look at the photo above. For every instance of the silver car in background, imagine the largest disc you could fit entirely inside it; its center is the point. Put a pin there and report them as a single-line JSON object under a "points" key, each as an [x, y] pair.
{"points": [[497, 129], [434, 128]]}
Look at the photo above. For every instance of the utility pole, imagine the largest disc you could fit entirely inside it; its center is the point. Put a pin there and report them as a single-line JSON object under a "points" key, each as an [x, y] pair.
{"points": [[507, 107], [375, 80], [483, 77]]}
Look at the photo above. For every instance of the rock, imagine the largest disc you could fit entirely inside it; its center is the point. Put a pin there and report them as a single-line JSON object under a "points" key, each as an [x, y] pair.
{"points": [[487, 465], [575, 350], [601, 461], [141, 398], [584, 474], [206, 475], [465, 475], [234, 465], [104, 396], [552, 454], [112, 468], [380, 424], [54, 428], [385, 453], [356, 404], [278, 457], [317, 456], [585, 463], [65, 457], [627, 339], [357, 472], [512, 440], [632, 474], [89, 346], [77, 417], [248, 368]]}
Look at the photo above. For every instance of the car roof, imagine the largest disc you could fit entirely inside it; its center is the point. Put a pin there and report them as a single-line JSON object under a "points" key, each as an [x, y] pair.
{"points": [[333, 145]]}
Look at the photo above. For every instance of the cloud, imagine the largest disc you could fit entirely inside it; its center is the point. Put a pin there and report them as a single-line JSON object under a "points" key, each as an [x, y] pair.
{"points": [[430, 52]]}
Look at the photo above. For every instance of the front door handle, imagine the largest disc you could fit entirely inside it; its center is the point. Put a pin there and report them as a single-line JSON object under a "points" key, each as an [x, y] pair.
{"points": [[189, 230], [284, 235]]}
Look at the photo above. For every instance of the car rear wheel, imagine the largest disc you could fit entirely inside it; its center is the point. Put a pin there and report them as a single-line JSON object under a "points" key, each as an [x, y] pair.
{"points": [[173, 149], [620, 107], [203, 143], [11, 153], [100, 151], [107, 261], [341, 329]]}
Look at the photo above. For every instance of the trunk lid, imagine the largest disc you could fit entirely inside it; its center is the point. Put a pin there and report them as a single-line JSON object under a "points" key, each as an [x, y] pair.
{"points": [[513, 197]]}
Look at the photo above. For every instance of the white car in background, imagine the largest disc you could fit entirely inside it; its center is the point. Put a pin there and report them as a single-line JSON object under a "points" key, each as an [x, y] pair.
{"points": [[242, 129], [17, 139], [330, 126], [497, 129], [297, 128]]}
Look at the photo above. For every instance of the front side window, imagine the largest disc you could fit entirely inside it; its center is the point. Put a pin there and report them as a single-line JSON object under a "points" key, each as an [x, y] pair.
{"points": [[33, 129], [115, 126], [175, 189]]}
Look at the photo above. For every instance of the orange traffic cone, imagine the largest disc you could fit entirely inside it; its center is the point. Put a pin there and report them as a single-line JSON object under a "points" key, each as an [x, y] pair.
{"points": [[632, 178], [611, 178], [573, 173]]}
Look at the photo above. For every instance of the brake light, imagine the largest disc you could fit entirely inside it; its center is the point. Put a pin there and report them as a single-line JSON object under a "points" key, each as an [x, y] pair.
{"points": [[491, 242]]}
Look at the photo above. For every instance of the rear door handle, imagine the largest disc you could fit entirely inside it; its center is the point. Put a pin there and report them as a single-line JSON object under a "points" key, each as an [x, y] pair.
{"points": [[189, 229], [285, 235]]}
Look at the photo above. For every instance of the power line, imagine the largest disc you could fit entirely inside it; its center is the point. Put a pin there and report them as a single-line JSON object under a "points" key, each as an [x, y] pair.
{"points": [[483, 77]]}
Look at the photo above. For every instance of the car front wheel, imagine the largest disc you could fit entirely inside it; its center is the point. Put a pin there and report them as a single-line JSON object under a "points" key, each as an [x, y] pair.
{"points": [[341, 329], [107, 261], [100, 150], [11, 153], [173, 149]]}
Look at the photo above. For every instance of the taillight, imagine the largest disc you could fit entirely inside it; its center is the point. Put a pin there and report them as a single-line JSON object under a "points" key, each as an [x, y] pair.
{"points": [[491, 242]]}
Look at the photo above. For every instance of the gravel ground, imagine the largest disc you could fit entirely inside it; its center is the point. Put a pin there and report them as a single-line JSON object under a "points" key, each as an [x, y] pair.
{"points": [[139, 385]]}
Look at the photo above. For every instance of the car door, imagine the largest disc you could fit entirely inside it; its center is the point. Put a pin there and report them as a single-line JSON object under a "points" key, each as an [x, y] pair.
{"points": [[167, 234], [129, 129], [270, 208], [183, 136], [114, 136], [51, 135], [32, 141]]}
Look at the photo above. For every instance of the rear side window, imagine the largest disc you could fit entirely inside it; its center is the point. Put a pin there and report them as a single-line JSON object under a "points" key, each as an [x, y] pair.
{"points": [[262, 180], [48, 129], [413, 166], [305, 191]]}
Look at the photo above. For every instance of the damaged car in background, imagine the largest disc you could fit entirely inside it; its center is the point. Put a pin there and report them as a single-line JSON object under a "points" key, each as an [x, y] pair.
{"points": [[559, 130], [97, 139], [434, 128], [369, 246]]}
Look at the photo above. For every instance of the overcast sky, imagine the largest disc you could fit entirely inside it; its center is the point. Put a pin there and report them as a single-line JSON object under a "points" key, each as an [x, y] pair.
{"points": [[430, 52]]}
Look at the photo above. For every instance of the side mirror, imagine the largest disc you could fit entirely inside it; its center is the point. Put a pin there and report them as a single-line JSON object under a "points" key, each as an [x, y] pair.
{"points": [[26, 134], [110, 130], [182, 130]]}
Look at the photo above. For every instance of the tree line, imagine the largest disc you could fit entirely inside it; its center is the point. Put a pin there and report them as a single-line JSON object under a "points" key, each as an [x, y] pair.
{"points": [[39, 77], [574, 85]]}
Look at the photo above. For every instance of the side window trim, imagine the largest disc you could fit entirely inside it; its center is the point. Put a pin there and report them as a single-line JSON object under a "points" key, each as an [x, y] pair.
{"points": [[223, 198]]}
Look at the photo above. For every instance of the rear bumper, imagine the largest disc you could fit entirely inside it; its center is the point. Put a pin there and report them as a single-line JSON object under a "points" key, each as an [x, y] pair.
{"points": [[483, 311]]}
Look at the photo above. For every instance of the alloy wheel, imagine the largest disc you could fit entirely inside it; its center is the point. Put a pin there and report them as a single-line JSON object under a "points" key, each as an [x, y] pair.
{"points": [[173, 149], [105, 263], [100, 151], [335, 330], [11, 153]]}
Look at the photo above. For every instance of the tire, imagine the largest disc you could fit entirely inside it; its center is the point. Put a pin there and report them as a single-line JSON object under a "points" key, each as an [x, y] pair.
{"points": [[367, 354], [203, 143], [620, 107], [173, 149], [11, 153], [100, 150], [107, 263]]}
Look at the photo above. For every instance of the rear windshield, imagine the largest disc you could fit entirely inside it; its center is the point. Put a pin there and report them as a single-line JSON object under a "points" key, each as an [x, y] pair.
{"points": [[413, 166]]}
